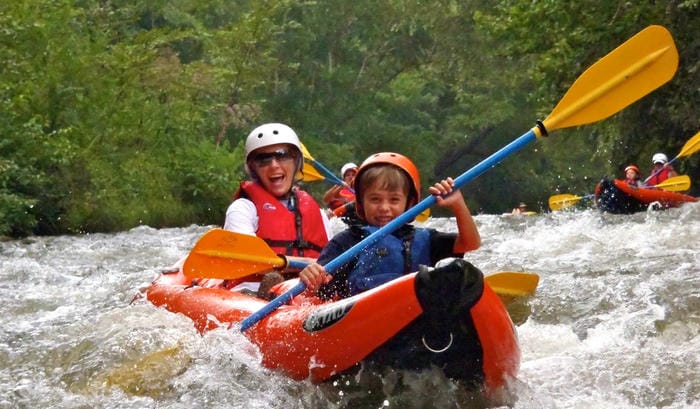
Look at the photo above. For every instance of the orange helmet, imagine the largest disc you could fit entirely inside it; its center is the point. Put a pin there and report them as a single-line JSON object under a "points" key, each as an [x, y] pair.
{"points": [[390, 158], [632, 167]]}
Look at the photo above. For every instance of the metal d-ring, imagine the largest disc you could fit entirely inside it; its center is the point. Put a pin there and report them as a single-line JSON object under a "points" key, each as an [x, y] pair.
{"points": [[437, 351]]}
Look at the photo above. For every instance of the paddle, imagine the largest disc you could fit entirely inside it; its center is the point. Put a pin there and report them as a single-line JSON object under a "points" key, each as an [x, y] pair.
{"points": [[319, 167], [690, 147], [310, 174], [631, 71], [513, 283], [227, 255], [675, 184], [223, 254], [565, 200]]}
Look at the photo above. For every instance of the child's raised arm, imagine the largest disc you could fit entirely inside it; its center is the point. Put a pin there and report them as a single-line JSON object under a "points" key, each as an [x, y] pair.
{"points": [[468, 238]]}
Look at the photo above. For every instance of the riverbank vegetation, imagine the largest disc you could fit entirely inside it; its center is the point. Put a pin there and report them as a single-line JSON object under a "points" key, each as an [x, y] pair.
{"points": [[122, 113]]}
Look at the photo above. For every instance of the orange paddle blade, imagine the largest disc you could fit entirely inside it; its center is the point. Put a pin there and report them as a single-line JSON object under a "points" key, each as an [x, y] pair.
{"points": [[227, 255]]}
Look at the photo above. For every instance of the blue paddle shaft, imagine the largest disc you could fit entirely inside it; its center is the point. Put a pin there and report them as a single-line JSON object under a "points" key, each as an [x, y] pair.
{"points": [[296, 264], [330, 175], [404, 218]]}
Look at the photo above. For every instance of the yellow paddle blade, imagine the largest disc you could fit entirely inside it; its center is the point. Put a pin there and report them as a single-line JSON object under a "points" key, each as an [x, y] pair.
{"points": [[690, 147], [149, 375], [563, 201], [423, 216], [306, 153], [309, 173], [514, 284], [227, 255], [329, 175], [675, 184], [629, 72]]}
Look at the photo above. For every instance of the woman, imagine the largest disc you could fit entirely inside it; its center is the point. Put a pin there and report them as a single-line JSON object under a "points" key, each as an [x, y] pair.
{"points": [[271, 206], [661, 170], [340, 195]]}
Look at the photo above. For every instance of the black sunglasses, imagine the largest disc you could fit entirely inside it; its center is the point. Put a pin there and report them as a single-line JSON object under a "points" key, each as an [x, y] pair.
{"points": [[265, 159]]}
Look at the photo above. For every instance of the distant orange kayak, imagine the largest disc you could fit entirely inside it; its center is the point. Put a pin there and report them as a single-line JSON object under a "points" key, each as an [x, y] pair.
{"points": [[446, 318], [616, 196]]}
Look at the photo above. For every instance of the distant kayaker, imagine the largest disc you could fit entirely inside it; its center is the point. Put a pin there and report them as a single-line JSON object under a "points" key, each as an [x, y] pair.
{"points": [[271, 207], [661, 170], [521, 209], [386, 185], [340, 195], [632, 175]]}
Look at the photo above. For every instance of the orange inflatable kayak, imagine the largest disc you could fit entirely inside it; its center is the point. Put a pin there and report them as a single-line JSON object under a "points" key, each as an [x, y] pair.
{"points": [[616, 196], [446, 318]]}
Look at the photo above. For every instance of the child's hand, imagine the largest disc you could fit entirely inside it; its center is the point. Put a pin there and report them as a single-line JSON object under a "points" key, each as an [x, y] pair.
{"points": [[313, 276], [445, 195]]}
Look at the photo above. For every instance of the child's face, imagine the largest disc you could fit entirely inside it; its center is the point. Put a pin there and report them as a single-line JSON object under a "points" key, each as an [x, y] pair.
{"points": [[631, 174], [381, 205]]}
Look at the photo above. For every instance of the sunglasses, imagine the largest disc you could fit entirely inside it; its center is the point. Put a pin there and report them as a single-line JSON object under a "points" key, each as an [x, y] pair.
{"points": [[280, 155]]}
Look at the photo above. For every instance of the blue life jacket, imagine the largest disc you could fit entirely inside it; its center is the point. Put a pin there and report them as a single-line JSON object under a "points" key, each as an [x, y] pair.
{"points": [[389, 258]]}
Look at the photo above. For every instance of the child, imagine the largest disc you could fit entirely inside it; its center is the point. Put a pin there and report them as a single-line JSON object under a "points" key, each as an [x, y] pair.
{"points": [[632, 175], [386, 185]]}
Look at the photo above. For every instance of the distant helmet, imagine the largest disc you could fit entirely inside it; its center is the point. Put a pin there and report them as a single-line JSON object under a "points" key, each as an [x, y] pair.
{"points": [[271, 134], [347, 167], [632, 167], [659, 158], [391, 158]]}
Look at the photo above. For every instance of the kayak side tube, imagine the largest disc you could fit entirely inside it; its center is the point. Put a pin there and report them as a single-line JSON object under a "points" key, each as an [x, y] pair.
{"points": [[446, 317]]}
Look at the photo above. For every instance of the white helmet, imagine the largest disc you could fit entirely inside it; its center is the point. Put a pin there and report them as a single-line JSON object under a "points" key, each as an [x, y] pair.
{"points": [[271, 134], [659, 158], [347, 167]]}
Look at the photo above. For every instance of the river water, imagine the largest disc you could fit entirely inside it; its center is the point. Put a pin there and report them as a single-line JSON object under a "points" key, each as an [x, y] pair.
{"points": [[615, 323]]}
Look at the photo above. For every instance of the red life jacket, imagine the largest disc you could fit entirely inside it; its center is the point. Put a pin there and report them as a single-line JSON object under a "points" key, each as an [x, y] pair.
{"points": [[298, 232], [659, 177]]}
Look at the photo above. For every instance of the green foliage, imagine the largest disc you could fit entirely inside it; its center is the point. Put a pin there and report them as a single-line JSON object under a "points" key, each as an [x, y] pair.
{"points": [[573, 36], [16, 204], [132, 112]]}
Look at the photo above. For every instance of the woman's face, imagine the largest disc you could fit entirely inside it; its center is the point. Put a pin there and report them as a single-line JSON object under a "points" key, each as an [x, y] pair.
{"points": [[275, 166], [349, 176]]}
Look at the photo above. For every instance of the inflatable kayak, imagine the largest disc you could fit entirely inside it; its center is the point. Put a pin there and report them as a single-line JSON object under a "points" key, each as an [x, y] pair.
{"points": [[618, 197], [445, 317]]}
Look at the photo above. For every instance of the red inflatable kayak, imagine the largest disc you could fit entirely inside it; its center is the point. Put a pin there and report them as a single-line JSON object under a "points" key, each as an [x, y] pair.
{"points": [[616, 196], [446, 318]]}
